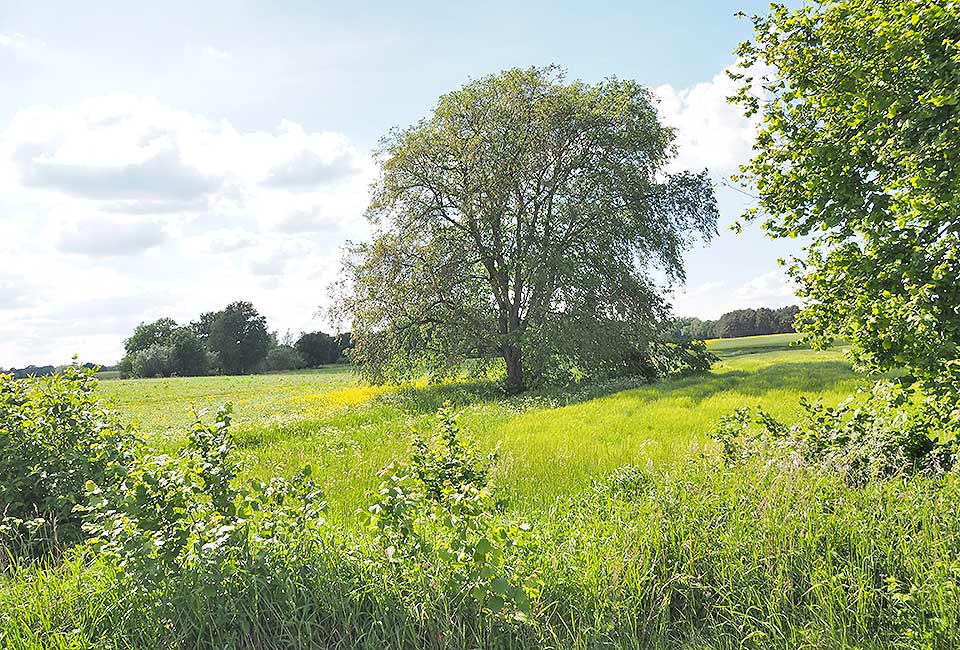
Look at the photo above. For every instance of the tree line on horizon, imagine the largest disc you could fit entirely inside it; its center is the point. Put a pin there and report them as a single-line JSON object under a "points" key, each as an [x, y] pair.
{"points": [[232, 341], [734, 324], [164, 348]]}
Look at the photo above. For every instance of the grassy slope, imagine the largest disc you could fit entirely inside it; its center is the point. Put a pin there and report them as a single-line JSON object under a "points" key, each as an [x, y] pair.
{"points": [[348, 430]]}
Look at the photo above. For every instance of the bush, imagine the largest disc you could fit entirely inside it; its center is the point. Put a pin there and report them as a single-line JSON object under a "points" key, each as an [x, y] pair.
{"points": [[284, 357], [55, 435], [182, 354], [436, 517], [154, 361], [887, 433], [183, 520]]}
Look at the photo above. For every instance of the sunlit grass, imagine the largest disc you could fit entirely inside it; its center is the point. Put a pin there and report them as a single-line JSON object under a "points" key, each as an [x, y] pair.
{"points": [[348, 429], [687, 554]]}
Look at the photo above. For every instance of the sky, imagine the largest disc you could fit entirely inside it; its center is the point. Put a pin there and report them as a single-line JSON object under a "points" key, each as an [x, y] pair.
{"points": [[167, 159]]}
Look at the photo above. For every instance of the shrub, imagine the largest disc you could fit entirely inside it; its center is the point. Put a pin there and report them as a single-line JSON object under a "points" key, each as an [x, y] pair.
{"points": [[154, 361], [284, 357], [183, 520], [888, 433], [435, 519], [55, 435]]}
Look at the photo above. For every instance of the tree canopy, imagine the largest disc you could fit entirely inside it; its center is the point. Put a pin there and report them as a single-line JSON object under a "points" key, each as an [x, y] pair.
{"points": [[522, 220], [162, 349], [858, 149], [238, 336]]}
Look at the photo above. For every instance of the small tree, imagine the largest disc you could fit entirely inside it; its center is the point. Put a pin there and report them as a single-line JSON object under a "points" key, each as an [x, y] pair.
{"points": [[284, 357], [164, 349], [520, 220]]}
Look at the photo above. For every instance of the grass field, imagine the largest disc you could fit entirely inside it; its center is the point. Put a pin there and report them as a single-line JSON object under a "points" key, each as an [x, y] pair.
{"points": [[678, 551], [550, 442]]}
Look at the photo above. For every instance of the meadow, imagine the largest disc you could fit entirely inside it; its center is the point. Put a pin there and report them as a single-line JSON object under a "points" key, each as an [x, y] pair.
{"points": [[638, 535], [549, 442]]}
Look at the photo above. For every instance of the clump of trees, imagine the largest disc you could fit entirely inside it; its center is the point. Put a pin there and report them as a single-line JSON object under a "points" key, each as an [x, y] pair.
{"points": [[733, 324], [521, 221], [232, 341], [320, 348]]}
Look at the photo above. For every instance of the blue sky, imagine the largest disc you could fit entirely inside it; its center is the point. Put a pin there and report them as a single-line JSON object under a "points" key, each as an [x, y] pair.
{"points": [[167, 159]]}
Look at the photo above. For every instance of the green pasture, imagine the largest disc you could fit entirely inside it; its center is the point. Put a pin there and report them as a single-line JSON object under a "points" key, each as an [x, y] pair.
{"points": [[550, 443]]}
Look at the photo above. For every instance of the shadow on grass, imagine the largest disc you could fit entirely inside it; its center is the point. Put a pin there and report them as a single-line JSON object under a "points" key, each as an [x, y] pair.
{"points": [[807, 377]]}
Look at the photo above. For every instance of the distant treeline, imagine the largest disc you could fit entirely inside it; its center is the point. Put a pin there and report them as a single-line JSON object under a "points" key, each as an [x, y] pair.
{"points": [[232, 341], [40, 371], [733, 324]]}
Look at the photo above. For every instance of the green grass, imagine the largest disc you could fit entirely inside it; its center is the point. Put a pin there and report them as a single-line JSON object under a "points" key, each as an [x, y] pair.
{"points": [[680, 553], [551, 442], [726, 348]]}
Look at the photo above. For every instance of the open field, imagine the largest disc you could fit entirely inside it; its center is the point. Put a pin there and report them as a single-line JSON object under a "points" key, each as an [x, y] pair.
{"points": [[551, 442], [677, 551]]}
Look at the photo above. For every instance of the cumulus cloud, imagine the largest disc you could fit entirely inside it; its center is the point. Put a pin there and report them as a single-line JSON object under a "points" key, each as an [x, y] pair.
{"points": [[135, 155], [100, 238], [711, 132], [160, 177], [771, 289], [238, 214], [308, 169]]}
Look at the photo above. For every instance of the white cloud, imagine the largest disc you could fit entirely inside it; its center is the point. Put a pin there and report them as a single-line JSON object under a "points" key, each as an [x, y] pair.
{"points": [[149, 182], [127, 154], [308, 169], [773, 289], [211, 52], [101, 238], [114, 206], [710, 131]]}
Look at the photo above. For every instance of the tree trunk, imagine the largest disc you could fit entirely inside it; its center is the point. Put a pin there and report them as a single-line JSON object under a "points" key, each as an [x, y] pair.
{"points": [[511, 354]]}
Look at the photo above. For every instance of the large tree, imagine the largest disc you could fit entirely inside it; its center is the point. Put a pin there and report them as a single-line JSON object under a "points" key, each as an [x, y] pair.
{"points": [[858, 149], [523, 219], [239, 337], [318, 348]]}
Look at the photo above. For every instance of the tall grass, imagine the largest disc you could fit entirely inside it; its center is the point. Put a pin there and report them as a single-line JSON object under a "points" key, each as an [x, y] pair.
{"points": [[551, 442], [693, 557], [641, 539]]}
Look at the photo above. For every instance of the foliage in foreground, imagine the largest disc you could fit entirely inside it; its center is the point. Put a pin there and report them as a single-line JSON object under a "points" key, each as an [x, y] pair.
{"points": [[858, 149], [754, 555], [701, 557], [54, 437], [888, 433]]}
